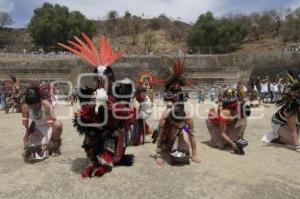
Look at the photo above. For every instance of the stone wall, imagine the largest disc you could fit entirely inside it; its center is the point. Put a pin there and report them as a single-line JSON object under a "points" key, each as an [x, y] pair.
{"points": [[200, 67]]}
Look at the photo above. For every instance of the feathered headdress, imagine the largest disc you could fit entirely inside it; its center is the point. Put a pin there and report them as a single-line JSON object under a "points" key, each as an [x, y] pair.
{"points": [[176, 76], [291, 95], [13, 78], [98, 58], [12, 84], [175, 81], [147, 75]]}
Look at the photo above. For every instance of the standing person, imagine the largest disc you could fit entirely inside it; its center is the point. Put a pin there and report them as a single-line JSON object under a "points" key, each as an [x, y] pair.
{"points": [[2, 98], [43, 134], [201, 97], [257, 84], [242, 89], [281, 86], [147, 80], [105, 112], [212, 94], [286, 121], [148, 86], [253, 93], [264, 85], [74, 96], [275, 91], [144, 109]]}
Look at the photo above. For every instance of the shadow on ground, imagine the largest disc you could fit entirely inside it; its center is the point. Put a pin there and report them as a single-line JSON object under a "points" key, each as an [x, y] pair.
{"points": [[78, 164]]}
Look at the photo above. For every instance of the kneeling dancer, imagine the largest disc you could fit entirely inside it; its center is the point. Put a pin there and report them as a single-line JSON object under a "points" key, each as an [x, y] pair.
{"points": [[286, 121], [43, 135], [226, 123]]}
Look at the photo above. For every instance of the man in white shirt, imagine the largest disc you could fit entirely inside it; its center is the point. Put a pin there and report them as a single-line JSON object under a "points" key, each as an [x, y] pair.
{"points": [[264, 90], [275, 91]]}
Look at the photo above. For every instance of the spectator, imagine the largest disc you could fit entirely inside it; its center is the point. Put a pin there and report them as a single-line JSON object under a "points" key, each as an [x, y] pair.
{"points": [[280, 86], [257, 84], [2, 96], [264, 86], [75, 95], [201, 97], [274, 91]]}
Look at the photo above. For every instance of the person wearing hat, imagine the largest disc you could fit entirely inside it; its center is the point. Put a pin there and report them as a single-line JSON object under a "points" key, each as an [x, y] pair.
{"points": [[41, 129]]}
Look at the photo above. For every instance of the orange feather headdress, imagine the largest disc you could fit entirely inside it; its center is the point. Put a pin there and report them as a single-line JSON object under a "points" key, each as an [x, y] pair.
{"points": [[151, 78], [102, 57]]}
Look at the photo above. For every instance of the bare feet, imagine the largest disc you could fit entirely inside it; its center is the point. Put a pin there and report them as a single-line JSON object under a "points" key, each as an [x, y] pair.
{"points": [[195, 159], [159, 161]]}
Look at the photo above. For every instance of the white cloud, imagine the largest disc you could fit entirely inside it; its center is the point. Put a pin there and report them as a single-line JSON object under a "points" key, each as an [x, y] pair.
{"points": [[6, 5]]}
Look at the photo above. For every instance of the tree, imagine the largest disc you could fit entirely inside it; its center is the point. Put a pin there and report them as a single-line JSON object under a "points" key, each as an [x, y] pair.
{"points": [[204, 33], [112, 15], [127, 15], [78, 23], [54, 23], [209, 32], [5, 19]]}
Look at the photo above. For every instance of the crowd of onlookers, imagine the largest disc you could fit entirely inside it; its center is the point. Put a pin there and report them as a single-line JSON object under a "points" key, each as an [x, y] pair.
{"points": [[269, 89], [292, 49], [9, 101], [266, 89]]}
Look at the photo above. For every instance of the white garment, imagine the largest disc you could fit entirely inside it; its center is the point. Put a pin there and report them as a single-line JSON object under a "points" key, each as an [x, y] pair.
{"points": [[264, 87], [40, 119], [145, 108], [255, 88], [101, 98], [274, 88], [271, 135]]}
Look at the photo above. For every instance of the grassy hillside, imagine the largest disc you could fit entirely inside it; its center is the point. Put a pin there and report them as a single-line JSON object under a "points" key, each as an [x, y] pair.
{"points": [[142, 36]]}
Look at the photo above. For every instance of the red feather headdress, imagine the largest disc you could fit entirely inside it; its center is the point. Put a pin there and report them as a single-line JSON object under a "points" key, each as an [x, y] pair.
{"points": [[87, 51], [177, 70]]}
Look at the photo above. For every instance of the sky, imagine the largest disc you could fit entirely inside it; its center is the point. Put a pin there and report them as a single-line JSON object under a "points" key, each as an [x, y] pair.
{"points": [[21, 11]]}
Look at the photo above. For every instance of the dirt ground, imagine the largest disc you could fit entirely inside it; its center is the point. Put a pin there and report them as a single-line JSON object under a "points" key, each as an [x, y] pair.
{"points": [[266, 171]]}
